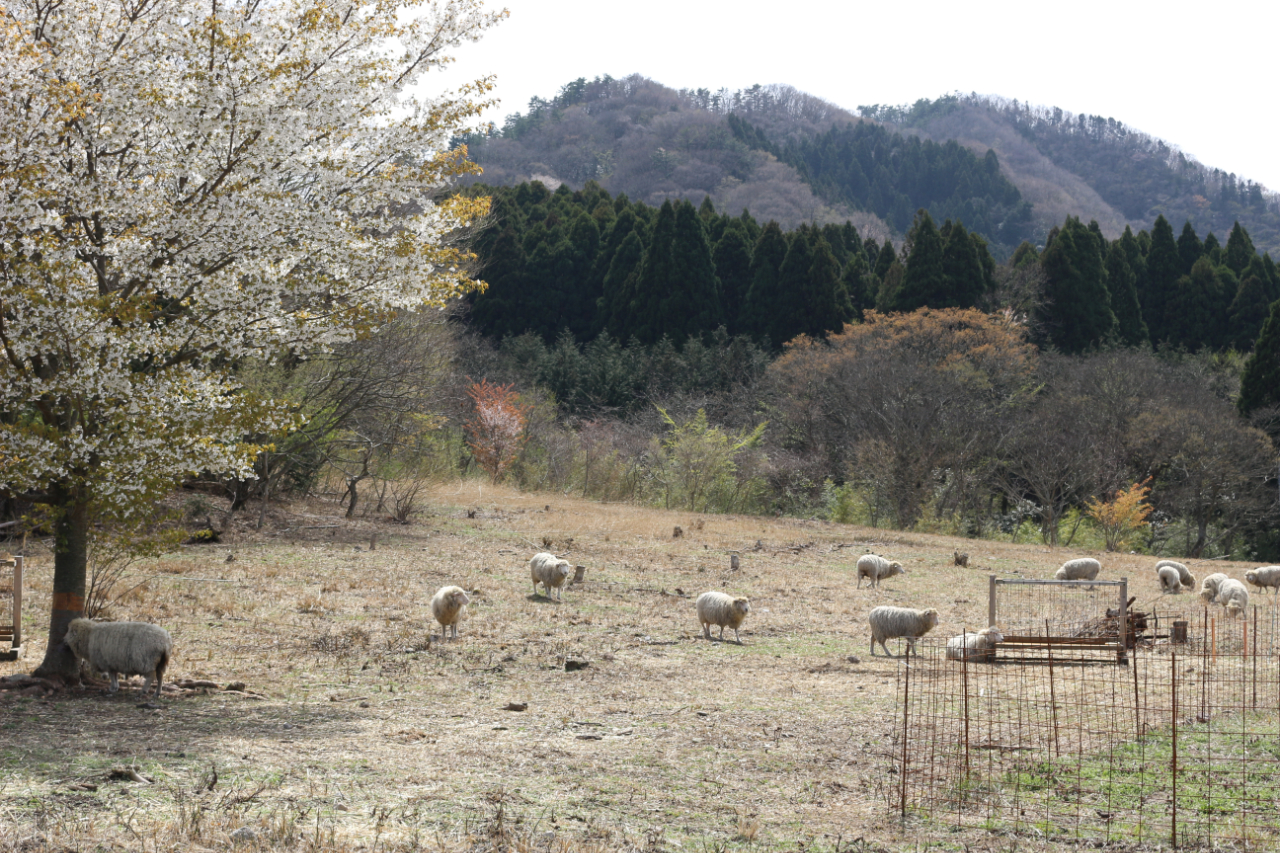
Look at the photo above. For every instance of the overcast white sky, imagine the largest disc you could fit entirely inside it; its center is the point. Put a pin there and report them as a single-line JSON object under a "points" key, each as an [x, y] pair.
{"points": [[1202, 77]]}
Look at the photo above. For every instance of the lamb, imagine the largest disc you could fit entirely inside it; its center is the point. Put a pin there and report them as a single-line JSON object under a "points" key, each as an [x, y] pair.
{"points": [[1188, 579], [550, 571], [717, 608], [447, 606], [877, 569], [1209, 587], [888, 622], [1170, 582], [1234, 597], [1263, 577], [1083, 569], [126, 648], [980, 646]]}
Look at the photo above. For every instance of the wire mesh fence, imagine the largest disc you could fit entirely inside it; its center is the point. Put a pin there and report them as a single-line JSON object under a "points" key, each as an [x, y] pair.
{"points": [[1179, 747]]}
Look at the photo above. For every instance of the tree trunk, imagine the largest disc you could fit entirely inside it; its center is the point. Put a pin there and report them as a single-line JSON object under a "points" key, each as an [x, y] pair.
{"points": [[70, 568]]}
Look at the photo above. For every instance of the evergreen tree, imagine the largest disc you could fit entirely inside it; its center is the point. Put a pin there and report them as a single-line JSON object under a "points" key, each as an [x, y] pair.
{"points": [[1260, 381], [1164, 268], [582, 290], [1189, 248], [707, 210], [693, 304], [966, 278], [1190, 320], [885, 258], [829, 306], [925, 282], [1121, 282], [1247, 313], [657, 278], [765, 296], [498, 310], [1239, 250], [859, 285], [1077, 311], [791, 314], [1212, 249], [890, 286], [1273, 277], [619, 286], [834, 235], [732, 260], [1024, 255]]}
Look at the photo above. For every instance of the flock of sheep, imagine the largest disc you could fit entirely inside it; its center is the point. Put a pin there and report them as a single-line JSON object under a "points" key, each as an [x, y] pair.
{"points": [[888, 622], [139, 648]]}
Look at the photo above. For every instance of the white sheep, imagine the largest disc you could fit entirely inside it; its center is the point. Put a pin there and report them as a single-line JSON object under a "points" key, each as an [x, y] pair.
{"points": [[550, 571], [1234, 597], [1083, 569], [1170, 581], [877, 569], [717, 608], [1184, 574], [125, 648], [1263, 577], [1209, 587], [447, 606], [980, 646], [888, 622]]}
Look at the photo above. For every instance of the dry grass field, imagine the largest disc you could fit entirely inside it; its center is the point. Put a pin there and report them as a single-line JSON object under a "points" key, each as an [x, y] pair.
{"points": [[356, 727]]}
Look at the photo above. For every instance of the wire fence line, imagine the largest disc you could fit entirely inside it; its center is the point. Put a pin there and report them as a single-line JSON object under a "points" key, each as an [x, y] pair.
{"points": [[1178, 744]]}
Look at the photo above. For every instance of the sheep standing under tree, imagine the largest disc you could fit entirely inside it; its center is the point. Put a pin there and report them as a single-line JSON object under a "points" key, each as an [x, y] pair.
{"points": [[124, 648]]}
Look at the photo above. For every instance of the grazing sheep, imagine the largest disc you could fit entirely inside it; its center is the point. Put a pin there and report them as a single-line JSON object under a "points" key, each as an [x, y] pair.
{"points": [[980, 646], [1184, 574], [888, 622], [1083, 569], [717, 608], [550, 571], [1170, 582], [447, 606], [1234, 597], [877, 569], [1263, 577], [127, 648], [1209, 587]]}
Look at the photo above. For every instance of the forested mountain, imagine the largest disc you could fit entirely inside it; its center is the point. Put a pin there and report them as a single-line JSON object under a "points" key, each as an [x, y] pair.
{"points": [[1095, 167], [1004, 169]]}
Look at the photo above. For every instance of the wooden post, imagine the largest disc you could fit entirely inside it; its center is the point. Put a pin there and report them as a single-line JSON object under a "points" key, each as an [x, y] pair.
{"points": [[1173, 764], [1123, 654], [1178, 634], [991, 601], [17, 604]]}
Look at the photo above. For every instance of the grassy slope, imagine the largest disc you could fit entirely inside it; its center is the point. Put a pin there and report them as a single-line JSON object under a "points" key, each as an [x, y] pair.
{"points": [[370, 728]]}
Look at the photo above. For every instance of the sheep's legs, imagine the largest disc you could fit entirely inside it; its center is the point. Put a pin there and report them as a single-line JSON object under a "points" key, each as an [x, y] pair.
{"points": [[115, 684]]}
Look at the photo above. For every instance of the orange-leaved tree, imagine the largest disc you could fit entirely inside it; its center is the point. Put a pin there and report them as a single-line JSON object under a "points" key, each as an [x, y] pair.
{"points": [[496, 431], [1123, 515]]}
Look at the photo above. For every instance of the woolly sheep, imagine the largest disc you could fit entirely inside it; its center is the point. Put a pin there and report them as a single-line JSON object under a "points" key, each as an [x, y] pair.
{"points": [[1083, 569], [980, 646], [1209, 587], [447, 606], [125, 648], [1234, 597], [888, 622], [877, 569], [1170, 582], [1184, 574], [550, 571], [717, 608], [1263, 577]]}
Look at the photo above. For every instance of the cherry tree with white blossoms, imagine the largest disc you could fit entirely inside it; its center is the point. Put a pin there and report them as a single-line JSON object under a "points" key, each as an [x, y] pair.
{"points": [[188, 184]]}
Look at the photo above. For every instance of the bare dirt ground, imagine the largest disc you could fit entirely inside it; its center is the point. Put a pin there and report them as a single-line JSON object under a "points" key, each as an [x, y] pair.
{"points": [[358, 728]]}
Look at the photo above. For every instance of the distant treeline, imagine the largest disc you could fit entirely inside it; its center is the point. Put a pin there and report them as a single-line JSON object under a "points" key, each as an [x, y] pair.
{"points": [[591, 263]]}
